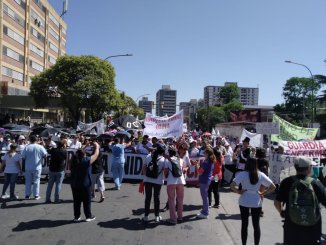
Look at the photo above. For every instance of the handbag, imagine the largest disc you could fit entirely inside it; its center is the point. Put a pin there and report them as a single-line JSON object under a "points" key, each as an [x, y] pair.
{"points": [[141, 188]]}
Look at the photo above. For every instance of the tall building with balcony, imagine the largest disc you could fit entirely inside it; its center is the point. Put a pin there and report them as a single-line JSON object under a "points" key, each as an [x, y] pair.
{"points": [[166, 101], [33, 36], [248, 96], [146, 105]]}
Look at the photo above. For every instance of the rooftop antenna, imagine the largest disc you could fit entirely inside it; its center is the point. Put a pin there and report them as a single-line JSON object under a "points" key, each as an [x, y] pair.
{"points": [[65, 8]]}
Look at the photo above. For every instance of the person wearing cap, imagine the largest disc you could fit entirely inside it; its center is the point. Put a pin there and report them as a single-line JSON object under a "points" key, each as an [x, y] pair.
{"points": [[295, 234], [21, 143]]}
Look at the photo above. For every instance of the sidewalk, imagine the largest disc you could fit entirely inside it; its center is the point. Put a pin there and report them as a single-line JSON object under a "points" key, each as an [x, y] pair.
{"points": [[118, 221]]}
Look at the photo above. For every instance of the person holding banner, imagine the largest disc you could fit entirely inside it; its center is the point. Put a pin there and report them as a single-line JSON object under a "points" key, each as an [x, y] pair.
{"points": [[251, 198]]}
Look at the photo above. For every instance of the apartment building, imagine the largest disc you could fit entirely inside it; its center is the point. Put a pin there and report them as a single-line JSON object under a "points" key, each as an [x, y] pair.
{"points": [[166, 101], [248, 96], [146, 105], [33, 36]]}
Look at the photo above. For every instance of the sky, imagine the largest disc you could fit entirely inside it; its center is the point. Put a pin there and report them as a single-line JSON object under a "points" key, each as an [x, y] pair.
{"points": [[190, 44]]}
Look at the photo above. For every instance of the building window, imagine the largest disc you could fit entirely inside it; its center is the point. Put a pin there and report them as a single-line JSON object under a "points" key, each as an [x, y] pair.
{"points": [[38, 20], [13, 54], [64, 31], [36, 50], [53, 47], [13, 74], [38, 35], [21, 3], [52, 60], [53, 33], [13, 35], [8, 11], [54, 20], [40, 5], [36, 66]]}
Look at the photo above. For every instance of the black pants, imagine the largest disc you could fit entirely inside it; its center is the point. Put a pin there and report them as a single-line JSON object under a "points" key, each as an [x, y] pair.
{"points": [[149, 187], [213, 187], [82, 195], [255, 215]]}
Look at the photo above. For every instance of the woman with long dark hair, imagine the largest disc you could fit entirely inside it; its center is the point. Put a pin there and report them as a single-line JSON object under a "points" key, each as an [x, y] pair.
{"points": [[153, 185], [251, 197], [205, 171], [216, 179], [81, 182]]}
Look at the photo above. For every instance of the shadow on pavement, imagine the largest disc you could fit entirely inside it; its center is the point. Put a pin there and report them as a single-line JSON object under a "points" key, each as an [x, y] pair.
{"points": [[229, 216], [135, 224], [30, 203], [38, 224]]}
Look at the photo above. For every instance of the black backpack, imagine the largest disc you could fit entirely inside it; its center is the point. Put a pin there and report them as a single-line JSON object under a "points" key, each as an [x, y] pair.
{"points": [[152, 170], [176, 168]]}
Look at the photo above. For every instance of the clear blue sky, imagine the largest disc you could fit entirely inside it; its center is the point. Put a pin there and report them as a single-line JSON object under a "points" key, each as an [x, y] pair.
{"points": [[190, 44]]}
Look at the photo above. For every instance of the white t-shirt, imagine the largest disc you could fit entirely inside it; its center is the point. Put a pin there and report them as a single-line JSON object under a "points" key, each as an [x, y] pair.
{"points": [[141, 149], [250, 198], [194, 152], [11, 163], [160, 179], [228, 156], [75, 145], [171, 180]]}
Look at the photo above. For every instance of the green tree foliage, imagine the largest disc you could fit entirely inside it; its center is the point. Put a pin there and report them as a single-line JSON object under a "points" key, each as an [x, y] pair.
{"points": [[208, 116], [298, 94], [321, 79], [127, 106], [229, 93], [79, 82]]}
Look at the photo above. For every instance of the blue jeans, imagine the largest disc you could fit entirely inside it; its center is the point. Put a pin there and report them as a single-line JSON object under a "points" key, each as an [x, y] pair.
{"points": [[204, 196], [57, 178], [10, 180], [32, 177], [117, 174]]}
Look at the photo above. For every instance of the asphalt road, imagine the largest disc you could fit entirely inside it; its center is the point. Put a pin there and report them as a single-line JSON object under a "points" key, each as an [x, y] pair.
{"points": [[118, 221]]}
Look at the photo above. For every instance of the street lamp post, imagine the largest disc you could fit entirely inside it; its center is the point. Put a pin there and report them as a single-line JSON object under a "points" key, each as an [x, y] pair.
{"points": [[312, 90], [119, 55]]}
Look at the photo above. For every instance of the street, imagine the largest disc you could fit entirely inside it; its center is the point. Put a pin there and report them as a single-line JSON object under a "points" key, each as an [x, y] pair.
{"points": [[118, 220]]}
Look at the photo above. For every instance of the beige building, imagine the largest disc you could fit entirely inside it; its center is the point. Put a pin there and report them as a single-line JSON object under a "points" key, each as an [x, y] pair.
{"points": [[32, 37]]}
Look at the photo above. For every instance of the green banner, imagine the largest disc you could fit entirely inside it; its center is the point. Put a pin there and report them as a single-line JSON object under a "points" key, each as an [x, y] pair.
{"points": [[290, 132]]}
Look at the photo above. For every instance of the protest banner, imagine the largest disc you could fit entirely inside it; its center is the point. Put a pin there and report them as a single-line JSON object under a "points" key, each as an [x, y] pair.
{"points": [[163, 127], [316, 148], [99, 125], [290, 132], [256, 140]]}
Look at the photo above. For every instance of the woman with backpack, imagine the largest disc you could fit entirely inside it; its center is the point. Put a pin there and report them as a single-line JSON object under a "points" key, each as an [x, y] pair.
{"points": [[153, 180], [205, 171], [251, 198], [175, 185], [81, 182]]}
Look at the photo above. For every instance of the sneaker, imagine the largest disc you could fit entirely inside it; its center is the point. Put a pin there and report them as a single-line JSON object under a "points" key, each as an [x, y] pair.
{"points": [[171, 221], [90, 218], [77, 219], [216, 206], [37, 197], [58, 201], [5, 196], [179, 220], [14, 198], [202, 216], [48, 201], [145, 218], [27, 197], [158, 218]]}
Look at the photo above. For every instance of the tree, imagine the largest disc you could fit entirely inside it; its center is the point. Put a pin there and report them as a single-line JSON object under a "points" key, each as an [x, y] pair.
{"points": [[233, 105], [322, 82], [298, 94], [79, 82], [208, 116], [229, 93], [127, 106]]}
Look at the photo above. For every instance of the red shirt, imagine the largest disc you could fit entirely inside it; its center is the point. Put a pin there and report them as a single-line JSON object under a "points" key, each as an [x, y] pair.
{"points": [[218, 168]]}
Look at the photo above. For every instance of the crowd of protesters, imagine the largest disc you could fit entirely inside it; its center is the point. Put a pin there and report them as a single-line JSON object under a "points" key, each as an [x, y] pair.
{"points": [[172, 158]]}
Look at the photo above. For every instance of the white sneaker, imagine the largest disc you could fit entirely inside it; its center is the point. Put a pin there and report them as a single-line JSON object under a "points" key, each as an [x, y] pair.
{"points": [[5, 196], [78, 219], [37, 197], [158, 218], [90, 219], [202, 216], [145, 218]]}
